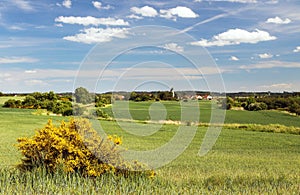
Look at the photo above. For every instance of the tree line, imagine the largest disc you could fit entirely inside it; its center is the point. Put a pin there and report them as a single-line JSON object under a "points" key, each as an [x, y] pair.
{"points": [[48, 100], [287, 103], [66, 104]]}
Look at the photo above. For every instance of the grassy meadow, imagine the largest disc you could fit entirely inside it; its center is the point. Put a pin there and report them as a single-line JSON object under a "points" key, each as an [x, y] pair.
{"points": [[140, 111], [241, 162]]}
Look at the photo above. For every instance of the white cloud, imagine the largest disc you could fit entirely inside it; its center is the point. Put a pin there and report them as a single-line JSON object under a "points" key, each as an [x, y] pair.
{"points": [[24, 5], [67, 3], [30, 71], [235, 37], [278, 20], [35, 82], [277, 86], [98, 35], [161, 73], [145, 11], [59, 25], [5, 46], [15, 60], [133, 16], [242, 1], [265, 55], [232, 1], [14, 27], [99, 5], [297, 49], [179, 11], [271, 64], [89, 20], [174, 47], [272, 1], [234, 58]]}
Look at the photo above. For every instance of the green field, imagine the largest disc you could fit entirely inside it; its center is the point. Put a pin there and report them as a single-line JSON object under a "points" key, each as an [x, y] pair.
{"points": [[245, 162], [4, 99], [140, 111]]}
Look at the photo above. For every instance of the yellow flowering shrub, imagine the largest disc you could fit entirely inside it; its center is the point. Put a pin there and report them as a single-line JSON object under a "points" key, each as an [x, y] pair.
{"points": [[76, 147]]}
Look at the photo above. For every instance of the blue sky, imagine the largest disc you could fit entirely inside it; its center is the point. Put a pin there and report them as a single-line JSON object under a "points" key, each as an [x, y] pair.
{"points": [[253, 45]]}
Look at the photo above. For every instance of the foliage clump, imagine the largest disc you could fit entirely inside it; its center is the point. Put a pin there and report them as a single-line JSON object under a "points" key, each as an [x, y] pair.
{"points": [[76, 147], [49, 101]]}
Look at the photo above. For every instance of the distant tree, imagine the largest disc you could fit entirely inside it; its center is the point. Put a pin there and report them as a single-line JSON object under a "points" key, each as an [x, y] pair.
{"points": [[11, 103], [165, 95], [257, 106], [50, 105], [67, 111], [1, 94], [51, 96], [29, 102], [101, 113], [227, 103], [133, 96], [83, 96], [77, 110], [294, 107], [18, 103], [38, 96]]}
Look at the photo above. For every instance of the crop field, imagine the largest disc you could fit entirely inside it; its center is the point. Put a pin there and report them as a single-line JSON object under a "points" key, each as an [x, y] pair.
{"points": [[241, 162], [140, 111]]}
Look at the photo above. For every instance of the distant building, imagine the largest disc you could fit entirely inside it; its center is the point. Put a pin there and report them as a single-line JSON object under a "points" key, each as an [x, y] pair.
{"points": [[209, 97], [199, 97]]}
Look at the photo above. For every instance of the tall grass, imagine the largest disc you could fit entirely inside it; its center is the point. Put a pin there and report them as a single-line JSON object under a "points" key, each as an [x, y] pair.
{"points": [[39, 182]]}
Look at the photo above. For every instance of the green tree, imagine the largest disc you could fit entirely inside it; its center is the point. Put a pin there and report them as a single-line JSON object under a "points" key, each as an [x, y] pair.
{"points": [[83, 96], [51, 96], [11, 103], [29, 102], [78, 111]]}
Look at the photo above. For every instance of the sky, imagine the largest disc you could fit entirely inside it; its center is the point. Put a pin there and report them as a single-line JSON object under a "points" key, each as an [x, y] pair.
{"points": [[215, 45]]}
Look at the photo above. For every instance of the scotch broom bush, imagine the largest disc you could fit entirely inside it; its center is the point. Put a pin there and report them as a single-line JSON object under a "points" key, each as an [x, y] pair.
{"points": [[76, 147]]}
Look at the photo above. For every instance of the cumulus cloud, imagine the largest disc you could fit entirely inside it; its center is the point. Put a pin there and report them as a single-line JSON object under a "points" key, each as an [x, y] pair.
{"points": [[278, 20], [133, 16], [234, 58], [235, 37], [67, 3], [89, 20], [99, 5], [145, 11], [16, 60], [297, 49], [98, 35], [174, 47], [179, 11], [265, 55]]}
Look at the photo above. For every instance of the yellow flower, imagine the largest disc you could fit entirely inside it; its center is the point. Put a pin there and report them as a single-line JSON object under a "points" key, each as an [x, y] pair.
{"points": [[117, 140], [152, 174], [92, 172]]}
